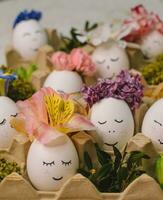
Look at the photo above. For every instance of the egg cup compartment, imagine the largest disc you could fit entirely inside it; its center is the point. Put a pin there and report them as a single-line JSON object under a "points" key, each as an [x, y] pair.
{"points": [[16, 187], [13, 59], [15, 156], [136, 58]]}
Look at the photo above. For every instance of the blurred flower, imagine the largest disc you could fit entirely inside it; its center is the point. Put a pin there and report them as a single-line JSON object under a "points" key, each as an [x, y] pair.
{"points": [[102, 33], [61, 60], [126, 86], [82, 62], [78, 60], [5, 78], [153, 71], [26, 15], [48, 109], [140, 23]]}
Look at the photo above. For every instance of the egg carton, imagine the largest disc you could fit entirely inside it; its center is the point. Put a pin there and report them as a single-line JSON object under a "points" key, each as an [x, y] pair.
{"points": [[13, 59], [79, 187], [134, 53], [16, 152], [15, 187], [136, 58]]}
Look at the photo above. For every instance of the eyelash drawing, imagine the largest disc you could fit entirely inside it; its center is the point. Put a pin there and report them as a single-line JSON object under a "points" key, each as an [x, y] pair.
{"points": [[157, 42], [66, 163], [48, 164], [118, 121], [38, 31], [157, 122], [26, 34], [101, 62], [102, 122], [3, 122], [114, 59], [14, 115]]}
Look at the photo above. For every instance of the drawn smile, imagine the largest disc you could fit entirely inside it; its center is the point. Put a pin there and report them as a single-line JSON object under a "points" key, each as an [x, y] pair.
{"points": [[160, 141], [36, 49], [111, 77], [57, 179], [111, 144]]}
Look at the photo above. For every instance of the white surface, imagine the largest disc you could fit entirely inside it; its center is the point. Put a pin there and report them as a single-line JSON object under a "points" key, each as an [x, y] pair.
{"points": [[152, 44], [62, 14], [53, 168], [57, 80], [28, 37], [8, 109], [152, 125], [113, 121], [110, 59]]}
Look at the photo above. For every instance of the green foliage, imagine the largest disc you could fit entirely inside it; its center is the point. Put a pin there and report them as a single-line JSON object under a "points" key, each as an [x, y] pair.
{"points": [[114, 174], [159, 170], [72, 42], [88, 27], [153, 72], [7, 168], [25, 73], [20, 90]]}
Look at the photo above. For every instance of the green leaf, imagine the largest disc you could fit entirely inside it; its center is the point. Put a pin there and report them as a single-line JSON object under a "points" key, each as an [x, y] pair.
{"points": [[84, 172], [135, 173], [88, 161], [122, 173], [89, 27], [104, 171], [21, 72], [30, 70], [118, 158], [135, 158], [103, 184], [25, 73], [103, 157]]}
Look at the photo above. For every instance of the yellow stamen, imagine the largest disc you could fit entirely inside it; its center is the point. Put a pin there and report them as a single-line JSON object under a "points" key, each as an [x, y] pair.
{"points": [[59, 110], [93, 171]]}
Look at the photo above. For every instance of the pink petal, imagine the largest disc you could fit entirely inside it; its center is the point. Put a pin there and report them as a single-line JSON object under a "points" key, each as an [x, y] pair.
{"points": [[49, 136], [79, 123]]}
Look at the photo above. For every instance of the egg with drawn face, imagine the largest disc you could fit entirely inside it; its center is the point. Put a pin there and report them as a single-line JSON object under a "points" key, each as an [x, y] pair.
{"points": [[28, 37], [50, 166], [110, 60], [8, 110], [152, 44], [113, 121], [152, 125], [64, 81]]}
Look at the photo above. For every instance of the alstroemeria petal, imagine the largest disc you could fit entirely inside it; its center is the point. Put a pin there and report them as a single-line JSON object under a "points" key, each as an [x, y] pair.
{"points": [[18, 125], [49, 136], [79, 123]]}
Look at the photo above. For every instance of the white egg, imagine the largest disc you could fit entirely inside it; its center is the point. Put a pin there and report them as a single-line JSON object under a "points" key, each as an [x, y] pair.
{"points": [[152, 125], [8, 109], [110, 59], [114, 122], [152, 44], [64, 81], [49, 167], [28, 37]]}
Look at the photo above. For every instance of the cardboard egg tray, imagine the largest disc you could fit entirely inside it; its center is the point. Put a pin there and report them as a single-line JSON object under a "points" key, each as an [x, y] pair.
{"points": [[17, 187]]}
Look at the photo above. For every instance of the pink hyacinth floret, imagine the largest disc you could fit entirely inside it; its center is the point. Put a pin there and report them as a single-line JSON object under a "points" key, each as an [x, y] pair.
{"points": [[78, 60]]}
